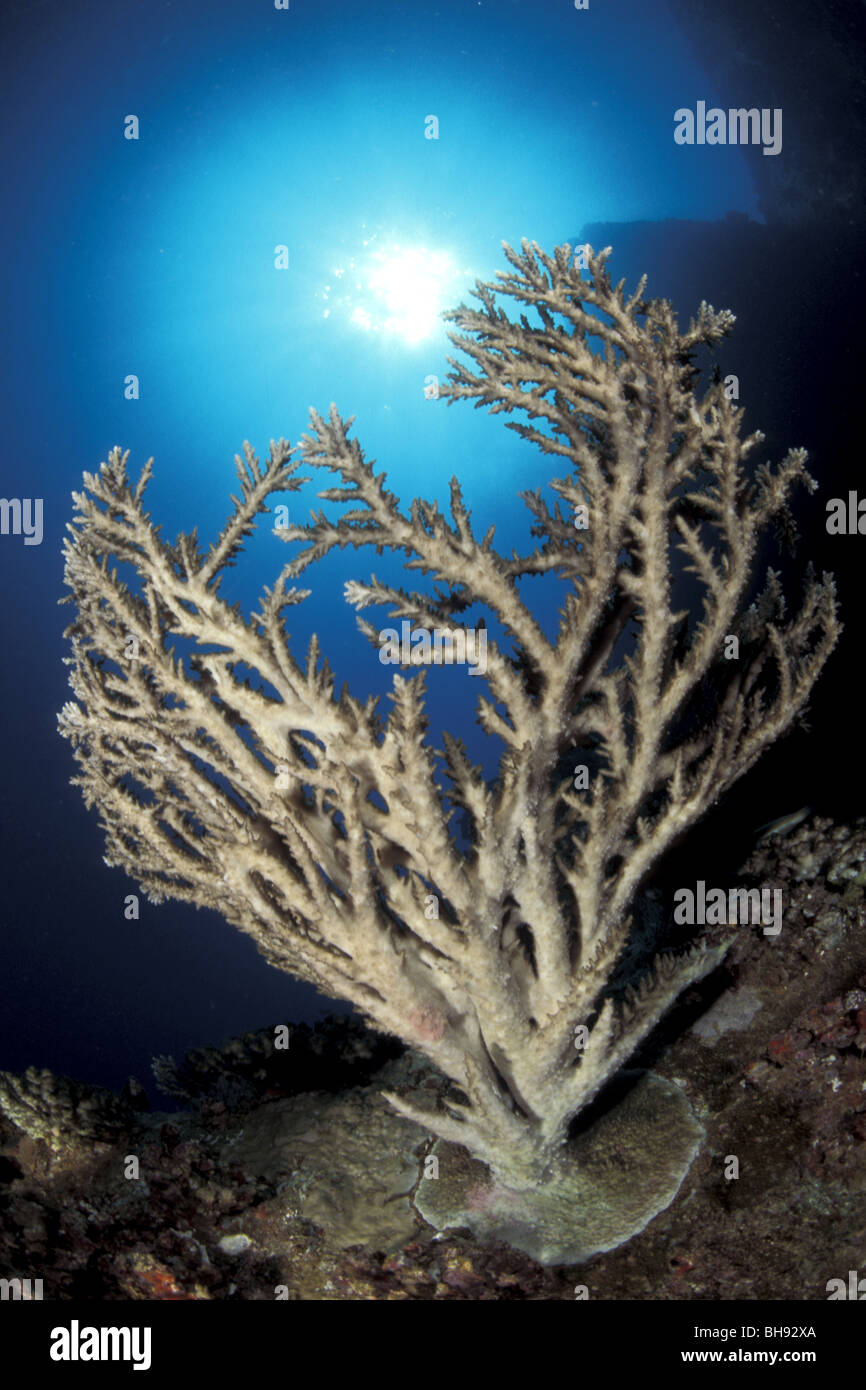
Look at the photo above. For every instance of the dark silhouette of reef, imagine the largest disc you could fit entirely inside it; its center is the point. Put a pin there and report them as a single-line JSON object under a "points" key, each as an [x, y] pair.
{"points": [[807, 59]]}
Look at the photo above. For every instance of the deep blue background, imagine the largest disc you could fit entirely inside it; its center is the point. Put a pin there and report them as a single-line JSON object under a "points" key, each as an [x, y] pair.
{"points": [[155, 257]]}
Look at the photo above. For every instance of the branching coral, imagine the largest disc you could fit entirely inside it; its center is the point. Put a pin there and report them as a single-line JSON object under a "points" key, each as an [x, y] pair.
{"points": [[237, 779]]}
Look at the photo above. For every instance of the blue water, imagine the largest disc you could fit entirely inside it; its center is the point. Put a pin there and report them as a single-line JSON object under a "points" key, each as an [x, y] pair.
{"points": [[156, 257]]}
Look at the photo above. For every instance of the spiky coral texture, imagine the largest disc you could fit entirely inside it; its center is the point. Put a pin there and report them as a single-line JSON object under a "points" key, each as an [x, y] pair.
{"points": [[253, 796]]}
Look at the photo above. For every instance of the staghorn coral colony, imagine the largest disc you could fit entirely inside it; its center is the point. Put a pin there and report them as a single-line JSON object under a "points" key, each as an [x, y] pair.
{"points": [[237, 779]]}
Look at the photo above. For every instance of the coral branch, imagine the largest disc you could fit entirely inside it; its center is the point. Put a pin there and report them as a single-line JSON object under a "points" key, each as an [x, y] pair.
{"points": [[321, 828]]}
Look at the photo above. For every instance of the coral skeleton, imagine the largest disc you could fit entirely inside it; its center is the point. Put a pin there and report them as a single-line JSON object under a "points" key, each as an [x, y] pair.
{"points": [[233, 776]]}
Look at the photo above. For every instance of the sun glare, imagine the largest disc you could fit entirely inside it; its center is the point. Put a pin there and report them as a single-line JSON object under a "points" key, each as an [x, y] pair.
{"points": [[396, 291]]}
